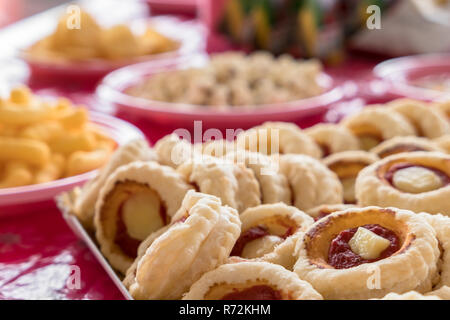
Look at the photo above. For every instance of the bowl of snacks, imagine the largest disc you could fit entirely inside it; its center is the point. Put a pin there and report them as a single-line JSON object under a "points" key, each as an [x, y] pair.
{"points": [[51, 146], [423, 77], [224, 89], [88, 51]]}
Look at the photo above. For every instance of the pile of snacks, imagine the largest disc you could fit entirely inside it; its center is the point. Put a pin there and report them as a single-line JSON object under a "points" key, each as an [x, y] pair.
{"points": [[90, 41], [42, 141], [264, 217], [234, 79]]}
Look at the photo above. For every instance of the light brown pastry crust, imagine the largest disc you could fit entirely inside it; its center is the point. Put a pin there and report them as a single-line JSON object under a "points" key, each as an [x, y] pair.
{"points": [[428, 121], [173, 151], [279, 219], [326, 209], [372, 188], [164, 181], [247, 274], [346, 165], [443, 142], [442, 293], [412, 267], [233, 183], [311, 182], [182, 254], [332, 138], [378, 122], [410, 295], [405, 144], [84, 206], [291, 139], [443, 107]]}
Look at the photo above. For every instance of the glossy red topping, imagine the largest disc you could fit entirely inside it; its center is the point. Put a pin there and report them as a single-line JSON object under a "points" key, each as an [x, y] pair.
{"points": [[400, 148], [389, 176], [341, 256], [259, 292], [247, 236]]}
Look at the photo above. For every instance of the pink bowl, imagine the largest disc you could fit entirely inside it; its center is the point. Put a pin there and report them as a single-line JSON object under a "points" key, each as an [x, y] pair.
{"points": [[40, 196], [401, 75], [113, 86]]}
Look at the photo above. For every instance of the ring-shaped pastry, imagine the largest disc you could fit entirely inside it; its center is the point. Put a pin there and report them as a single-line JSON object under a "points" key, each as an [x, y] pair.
{"points": [[311, 182], [346, 165], [374, 124], [405, 144], [427, 121], [136, 200], [267, 233], [84, 206], [326, 209], [332, 138], [278, 137], [443, 142], [417, 181], [233, 183], [364, 253], [173, 151], [180, 256], [251, 281]]}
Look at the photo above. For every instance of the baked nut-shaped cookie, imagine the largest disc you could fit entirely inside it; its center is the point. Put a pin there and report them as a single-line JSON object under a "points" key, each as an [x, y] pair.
{"points": [[310, 181], [273, 185], [405, 144], [417, 181], [251, 281], [410, 295], [364, 253], [374, 124], [443, 142], [233, 183], [326, 209], [135, 201], [428, 121], [267, 233], [441, 225], [346, 165], [173, 151], [84, 206], [194, 245], [442, 293], [278, 137], [332, 138]]}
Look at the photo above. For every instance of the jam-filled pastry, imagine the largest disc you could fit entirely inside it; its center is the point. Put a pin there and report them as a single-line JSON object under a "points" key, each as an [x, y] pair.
{"points": [[278, 137], [234, 184], [310, 181], [333, 138], [442, 293], [194, 245], [441, 224], [326, 209], [173, 151], [405, 144], [364, 253], [267, 233], [84, 205], [374, 124], [251, 281], [417, 181], [136, 200], [428, 121], [443, 142], [347, 165], [273, 185], [410, 295]]}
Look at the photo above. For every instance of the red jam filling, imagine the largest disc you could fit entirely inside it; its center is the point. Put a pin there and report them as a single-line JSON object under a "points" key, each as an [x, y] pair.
{"points": [[259, 292], [341, 256], [389, 176], [398, 149], [247, 236]]}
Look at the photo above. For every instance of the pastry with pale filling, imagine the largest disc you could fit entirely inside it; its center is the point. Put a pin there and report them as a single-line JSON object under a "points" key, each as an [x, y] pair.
{"points": [[374, 124], [251, 281], [332, 138], [405, 144], [417, 181], [268, 233], [136, 200], [84, 205], [347, 165], [278, 137], [310, 181], [234, 184], [199, 242], [428, 122], [364, 253]]}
